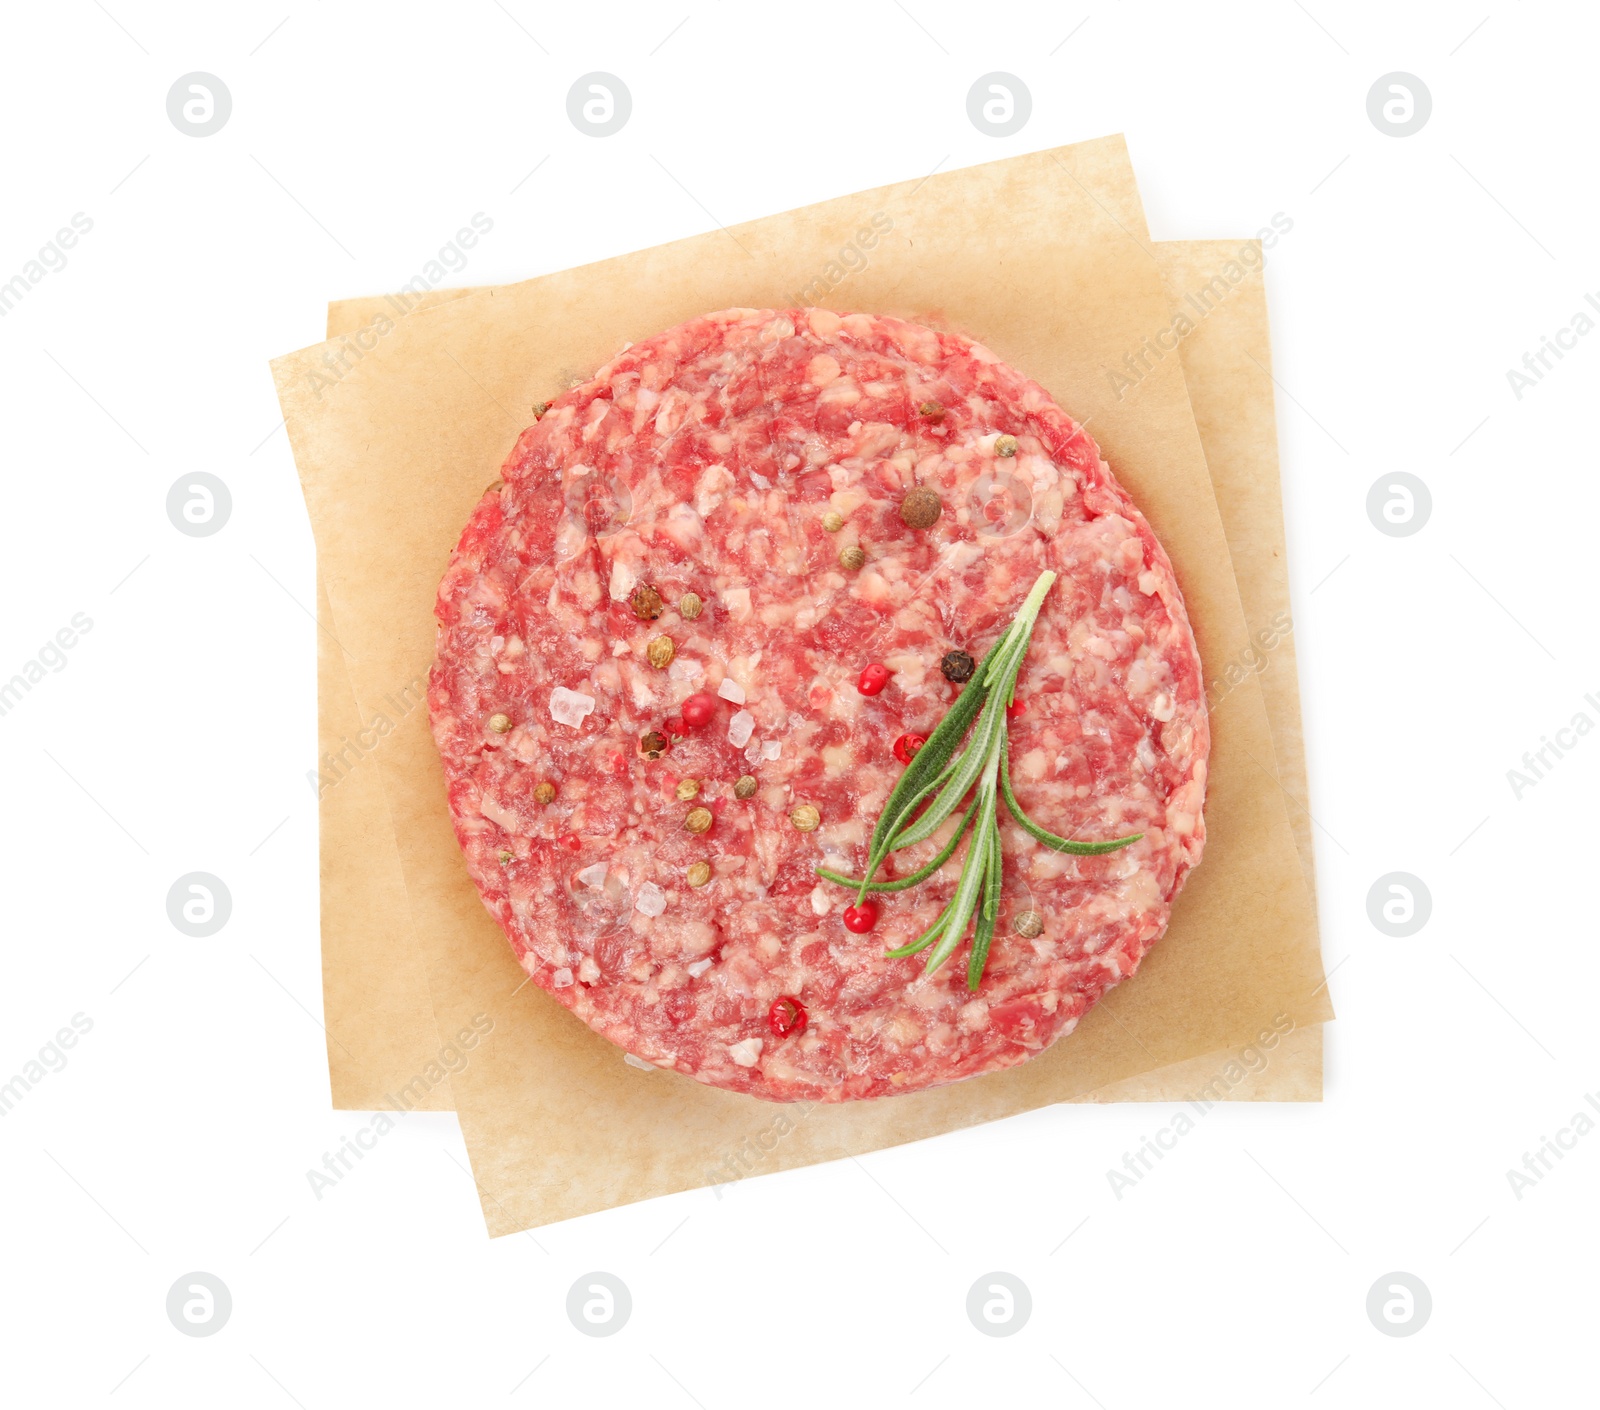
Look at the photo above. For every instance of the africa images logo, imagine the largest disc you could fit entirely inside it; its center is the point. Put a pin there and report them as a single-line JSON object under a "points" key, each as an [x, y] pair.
{"points": [[51, 657], [50, 259], [1554, 346]]}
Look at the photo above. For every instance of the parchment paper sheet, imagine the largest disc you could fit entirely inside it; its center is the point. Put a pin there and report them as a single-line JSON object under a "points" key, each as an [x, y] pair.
{"points": [[377, 1009], [1225, 362], [1044, 257], [381, 1031]]}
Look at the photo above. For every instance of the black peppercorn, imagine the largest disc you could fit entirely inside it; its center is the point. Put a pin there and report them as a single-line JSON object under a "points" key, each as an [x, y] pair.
{"points": [[958, 666]]}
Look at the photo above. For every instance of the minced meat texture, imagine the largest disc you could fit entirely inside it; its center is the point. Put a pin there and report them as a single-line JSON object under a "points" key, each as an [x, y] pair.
{"points": [[703, 461]]}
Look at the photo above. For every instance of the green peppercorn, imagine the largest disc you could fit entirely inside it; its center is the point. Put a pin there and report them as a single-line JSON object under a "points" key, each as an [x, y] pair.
{"points": [[1029, 925]]}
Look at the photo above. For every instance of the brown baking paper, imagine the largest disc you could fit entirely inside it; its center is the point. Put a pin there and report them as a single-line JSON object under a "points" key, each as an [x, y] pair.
{"points": [[1044, 258], [377, 1009], [381, 1031], [1225, 363]]}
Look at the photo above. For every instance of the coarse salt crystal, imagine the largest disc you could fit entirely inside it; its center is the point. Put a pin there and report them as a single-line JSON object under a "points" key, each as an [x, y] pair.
{"points": [[740, 728], [623, 576], [638, 1062], [752, 752], [730, 689], [593, 875], [685, 668], [561, 979], [771, 749], [746, 1053], [698, 967], [570, 707], [651, 900]]}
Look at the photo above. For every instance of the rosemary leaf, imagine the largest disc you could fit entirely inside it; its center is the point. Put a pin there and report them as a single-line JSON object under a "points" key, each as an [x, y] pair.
{"points": [[988, 910], [968, 767], [974, 873], [881, 849], [920, 874], [1050, 840], [1019, 633], [922, 941]]}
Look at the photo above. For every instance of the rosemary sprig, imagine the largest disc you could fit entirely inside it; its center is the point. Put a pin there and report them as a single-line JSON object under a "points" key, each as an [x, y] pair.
{"points": [[928, 762], [940, 777]]}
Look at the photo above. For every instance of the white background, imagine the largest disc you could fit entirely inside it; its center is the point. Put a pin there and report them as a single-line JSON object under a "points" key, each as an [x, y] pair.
{"points": [[178, 735]]}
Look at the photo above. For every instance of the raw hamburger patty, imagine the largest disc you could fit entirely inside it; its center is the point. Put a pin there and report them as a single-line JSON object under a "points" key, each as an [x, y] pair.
{"points": [[704, 461]]}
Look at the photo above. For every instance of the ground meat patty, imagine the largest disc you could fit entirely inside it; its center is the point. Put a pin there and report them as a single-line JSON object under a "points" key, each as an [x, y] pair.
{"points": [[713, 460]]}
